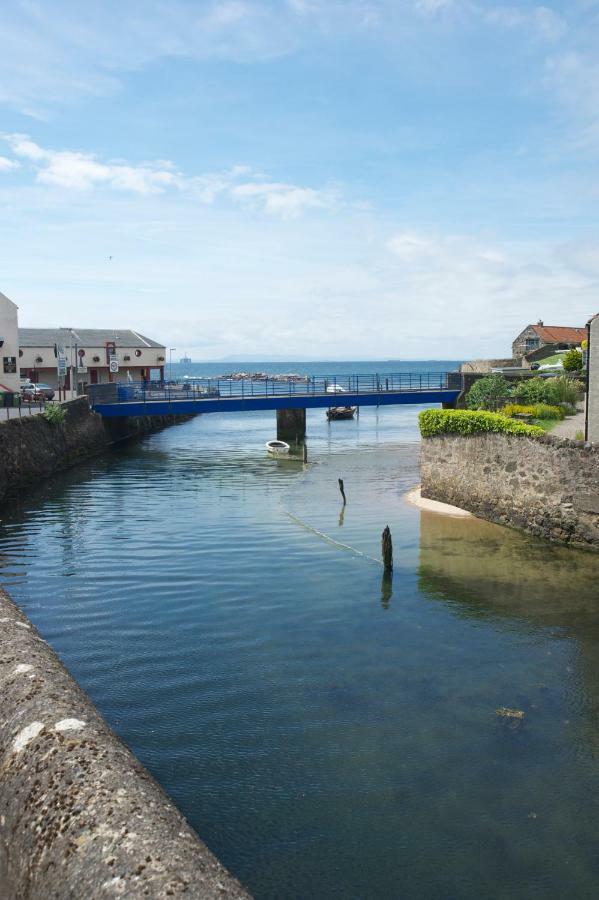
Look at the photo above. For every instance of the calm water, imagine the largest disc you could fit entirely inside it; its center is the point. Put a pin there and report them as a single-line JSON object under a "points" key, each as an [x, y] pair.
{"points": [[325, 734]]}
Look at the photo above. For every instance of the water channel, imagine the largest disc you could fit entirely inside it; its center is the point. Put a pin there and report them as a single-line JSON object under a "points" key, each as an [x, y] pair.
{"points": [[325, 735]]}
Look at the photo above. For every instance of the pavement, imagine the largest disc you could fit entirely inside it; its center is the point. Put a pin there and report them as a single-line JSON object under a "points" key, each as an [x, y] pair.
{"points": [[569, 426], [14, 412]]}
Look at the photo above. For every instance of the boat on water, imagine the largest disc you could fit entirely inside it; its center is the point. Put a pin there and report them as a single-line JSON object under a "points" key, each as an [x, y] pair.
{"points": [[341, 412], [277, 448]]}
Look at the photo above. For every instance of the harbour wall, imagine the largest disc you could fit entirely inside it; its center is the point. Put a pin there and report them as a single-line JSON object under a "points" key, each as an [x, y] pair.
{"points": [[32, 448], [547, 486], [80, 816]]}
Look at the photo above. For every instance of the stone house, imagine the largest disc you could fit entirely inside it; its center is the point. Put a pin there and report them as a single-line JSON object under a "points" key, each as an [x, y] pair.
{"points": [[559, 337]]}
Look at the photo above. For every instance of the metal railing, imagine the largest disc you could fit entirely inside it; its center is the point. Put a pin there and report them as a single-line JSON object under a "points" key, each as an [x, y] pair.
{"points": [[22, 409], [272, 386]]}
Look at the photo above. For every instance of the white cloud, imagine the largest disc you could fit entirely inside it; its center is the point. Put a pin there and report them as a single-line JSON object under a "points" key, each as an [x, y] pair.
{"points": [[430, 7], [82, 171], [285, 200], [8, 165], [572, 78], [541, 21], [74, 170], [410, 246]]}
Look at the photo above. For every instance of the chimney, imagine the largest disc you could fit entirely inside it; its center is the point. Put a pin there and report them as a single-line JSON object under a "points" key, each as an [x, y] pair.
{"points": [[540, 322]]}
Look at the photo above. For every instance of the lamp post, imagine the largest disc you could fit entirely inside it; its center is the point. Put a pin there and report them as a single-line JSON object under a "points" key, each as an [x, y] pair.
{"points": [[170, 363]]}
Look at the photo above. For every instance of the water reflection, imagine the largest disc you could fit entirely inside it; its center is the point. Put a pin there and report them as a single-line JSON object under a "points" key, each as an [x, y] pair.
{"points": [[485, 571]]}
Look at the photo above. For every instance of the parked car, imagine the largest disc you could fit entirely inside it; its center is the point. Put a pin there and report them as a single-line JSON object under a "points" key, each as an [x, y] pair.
{"points": [[31, 393], [46, 390]]}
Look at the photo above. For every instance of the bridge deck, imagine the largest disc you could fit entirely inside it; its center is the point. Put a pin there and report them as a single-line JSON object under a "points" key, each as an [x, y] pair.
{"points": [[229, 395]]}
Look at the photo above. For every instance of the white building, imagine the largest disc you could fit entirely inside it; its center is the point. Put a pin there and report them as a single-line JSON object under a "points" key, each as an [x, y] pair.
{"points": [[89, 352], [592, 432], [9, 346]]}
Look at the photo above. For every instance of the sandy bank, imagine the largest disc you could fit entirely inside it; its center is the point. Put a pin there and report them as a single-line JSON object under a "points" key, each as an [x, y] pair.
{"points": [[416, 499]]}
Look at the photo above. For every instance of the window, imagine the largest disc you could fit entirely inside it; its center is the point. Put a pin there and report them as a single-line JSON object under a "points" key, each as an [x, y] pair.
{"points": [[10, 365], [532, 343]]}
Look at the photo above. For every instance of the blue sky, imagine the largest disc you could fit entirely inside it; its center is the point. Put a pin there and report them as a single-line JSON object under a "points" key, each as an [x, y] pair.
{"points": [[304, 178]]}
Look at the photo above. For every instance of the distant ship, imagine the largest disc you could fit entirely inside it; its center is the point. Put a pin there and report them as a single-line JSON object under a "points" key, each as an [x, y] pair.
{"points": [[185, 360]]}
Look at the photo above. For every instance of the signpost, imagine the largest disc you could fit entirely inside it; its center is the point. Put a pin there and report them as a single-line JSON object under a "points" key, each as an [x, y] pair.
{"points": [[61, 367]]}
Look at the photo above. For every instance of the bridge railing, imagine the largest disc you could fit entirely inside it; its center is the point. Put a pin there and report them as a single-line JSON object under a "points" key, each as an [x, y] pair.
{"points": [[272, 386]]}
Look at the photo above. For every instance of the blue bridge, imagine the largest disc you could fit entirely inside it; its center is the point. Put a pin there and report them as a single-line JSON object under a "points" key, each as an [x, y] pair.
{"points": [[205, 395], [290, 397]]}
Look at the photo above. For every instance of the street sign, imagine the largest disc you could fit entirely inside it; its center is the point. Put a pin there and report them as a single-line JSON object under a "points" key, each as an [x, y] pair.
{"points": [[61, 360], [113, 365]]}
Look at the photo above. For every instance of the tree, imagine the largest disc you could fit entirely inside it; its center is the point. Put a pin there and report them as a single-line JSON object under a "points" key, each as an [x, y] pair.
{"points": [[488, 392], [572, 361]]}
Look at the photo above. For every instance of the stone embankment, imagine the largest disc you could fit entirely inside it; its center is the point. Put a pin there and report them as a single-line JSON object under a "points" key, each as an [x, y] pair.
{"points": [[32, 448], [547, 486], [80, 817]]}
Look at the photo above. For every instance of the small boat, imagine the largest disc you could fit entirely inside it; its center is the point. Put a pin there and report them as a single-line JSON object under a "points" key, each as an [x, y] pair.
{"points": [[277, 448], [341, 412]]}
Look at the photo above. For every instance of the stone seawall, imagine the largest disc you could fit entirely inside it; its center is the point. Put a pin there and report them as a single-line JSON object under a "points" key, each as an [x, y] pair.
{"points": [[80, 817], [32, 448], [547, 486]]}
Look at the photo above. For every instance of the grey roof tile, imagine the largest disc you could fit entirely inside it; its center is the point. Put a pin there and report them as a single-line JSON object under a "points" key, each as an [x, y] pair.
{"points": [[85, 337]]}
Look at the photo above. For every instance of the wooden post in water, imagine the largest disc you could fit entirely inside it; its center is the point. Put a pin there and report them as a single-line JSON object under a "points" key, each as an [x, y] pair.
{"points": [[341, 488], [387, 549], [305, 452]]}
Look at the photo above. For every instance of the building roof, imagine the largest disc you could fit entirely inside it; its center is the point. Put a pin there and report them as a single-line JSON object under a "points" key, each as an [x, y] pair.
{"points": [[85, 337], [559, 334]]}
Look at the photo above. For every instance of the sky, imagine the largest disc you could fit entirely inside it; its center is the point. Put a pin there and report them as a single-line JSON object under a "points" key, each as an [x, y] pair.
{"points": [[325, 179]]}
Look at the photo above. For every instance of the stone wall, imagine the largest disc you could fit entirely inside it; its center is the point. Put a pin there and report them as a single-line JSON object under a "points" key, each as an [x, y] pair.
{"points": [[546, 486], [81, 817], [32, 448]]}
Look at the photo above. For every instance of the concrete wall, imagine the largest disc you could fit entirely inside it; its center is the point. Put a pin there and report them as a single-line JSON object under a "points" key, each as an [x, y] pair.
{"points": [[593, 395], [31, 448], [547, 486], [81, 817], [9, 335]]}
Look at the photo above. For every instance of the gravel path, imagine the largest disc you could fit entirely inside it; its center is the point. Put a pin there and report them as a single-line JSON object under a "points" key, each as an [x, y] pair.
{"points": [[570, 425]]}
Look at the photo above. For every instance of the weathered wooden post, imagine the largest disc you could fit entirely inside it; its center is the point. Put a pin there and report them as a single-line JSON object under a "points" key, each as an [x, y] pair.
{"points": [[386, 589], [305, 452], [342, 489], [387, 549]]}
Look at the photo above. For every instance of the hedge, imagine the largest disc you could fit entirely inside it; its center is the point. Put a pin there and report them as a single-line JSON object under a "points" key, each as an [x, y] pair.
{"points": [[469, 421]]}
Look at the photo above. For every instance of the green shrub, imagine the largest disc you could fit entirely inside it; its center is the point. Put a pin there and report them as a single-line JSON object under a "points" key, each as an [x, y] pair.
{"points": [[547, 411], [489, 391], [530, 391], [563, 389], [55, 414], [572, 361], [467, 421]]}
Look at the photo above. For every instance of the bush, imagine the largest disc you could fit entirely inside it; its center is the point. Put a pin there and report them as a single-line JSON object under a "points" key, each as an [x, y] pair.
{"points": [[530, 391], [467, 421], [572, 361], [488, 391], [553, 391], [55, 414], [536, 411], [563, 389]]}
